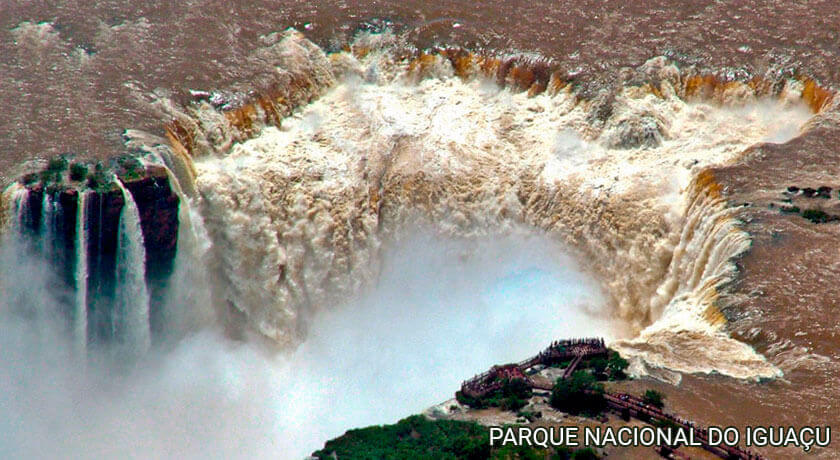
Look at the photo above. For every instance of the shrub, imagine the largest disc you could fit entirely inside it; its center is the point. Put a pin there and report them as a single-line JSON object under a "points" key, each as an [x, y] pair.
{"points": [[512, 396], [654, 398], [78, 172], [29, 179], [47, 176], [131, 168], [817, 216], [99, 179], [57, 164]]}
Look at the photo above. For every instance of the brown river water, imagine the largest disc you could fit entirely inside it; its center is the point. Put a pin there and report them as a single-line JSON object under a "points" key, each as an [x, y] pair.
{"points": [[74, 75]]}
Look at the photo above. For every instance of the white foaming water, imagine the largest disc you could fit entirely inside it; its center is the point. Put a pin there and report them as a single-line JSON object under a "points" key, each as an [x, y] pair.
{"points": [[132, 307], [80, 322], [297, 213], [188, 290], [441, 311], [47, 231]]}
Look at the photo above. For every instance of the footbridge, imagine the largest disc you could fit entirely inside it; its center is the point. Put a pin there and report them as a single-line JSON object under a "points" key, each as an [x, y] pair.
{"points": [[627, 405]]}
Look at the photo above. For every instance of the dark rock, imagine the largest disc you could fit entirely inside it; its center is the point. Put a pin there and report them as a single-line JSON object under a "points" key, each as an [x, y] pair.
{"points": [[824, 192], [158, 208]]}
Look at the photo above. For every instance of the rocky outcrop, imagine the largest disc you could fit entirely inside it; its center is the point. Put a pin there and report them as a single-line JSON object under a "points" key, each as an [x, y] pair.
{"points": [[158, 207], [53, 232]]}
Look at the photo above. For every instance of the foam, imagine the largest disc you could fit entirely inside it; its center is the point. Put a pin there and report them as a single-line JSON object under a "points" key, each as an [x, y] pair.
{"points": [[297, 213]]}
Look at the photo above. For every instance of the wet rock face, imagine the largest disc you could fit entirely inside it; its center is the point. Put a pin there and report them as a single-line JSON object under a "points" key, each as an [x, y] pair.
{"points": [[103, 218], [158, 208]]}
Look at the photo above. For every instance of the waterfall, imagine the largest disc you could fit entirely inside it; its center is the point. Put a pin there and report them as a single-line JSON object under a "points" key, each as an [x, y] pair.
{"points": [[20, 199], [189, 289], [132, 306], [80, 320], [47, 230]]}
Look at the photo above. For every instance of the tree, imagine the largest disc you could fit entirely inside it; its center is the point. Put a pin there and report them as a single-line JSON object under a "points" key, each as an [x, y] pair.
{"points": [[78, 172], [654, 398], [579, 394], [598, 365], [617, 365]]}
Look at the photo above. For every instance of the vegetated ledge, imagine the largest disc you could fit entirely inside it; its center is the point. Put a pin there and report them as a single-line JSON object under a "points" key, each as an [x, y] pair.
{"points": [[63, 182]]}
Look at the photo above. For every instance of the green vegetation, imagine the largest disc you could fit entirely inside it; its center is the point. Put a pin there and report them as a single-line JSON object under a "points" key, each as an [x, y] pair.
{"points": [[512, 396], [599, 367], [54, 171], [579, 394], [46, 176], [617, 366], [98, 180], [562, 364], [789, 209], [78, 172], [57, 165], [654, 398], [29, 179], [528, 415], [672, 427], [611, 368], [130, 168], [818, 216], [417, 437], [584, 454]]}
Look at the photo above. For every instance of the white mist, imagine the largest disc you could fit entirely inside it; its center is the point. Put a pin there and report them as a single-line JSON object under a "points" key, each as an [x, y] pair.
{"points": [[441, 311]]}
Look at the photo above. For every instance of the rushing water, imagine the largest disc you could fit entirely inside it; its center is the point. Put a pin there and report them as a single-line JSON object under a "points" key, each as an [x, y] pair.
{"points": [[131, 320], [81, 273], [79, 73]]}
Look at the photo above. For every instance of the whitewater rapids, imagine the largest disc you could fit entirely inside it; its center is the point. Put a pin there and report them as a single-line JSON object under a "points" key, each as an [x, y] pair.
{"points": [[298, 209]]}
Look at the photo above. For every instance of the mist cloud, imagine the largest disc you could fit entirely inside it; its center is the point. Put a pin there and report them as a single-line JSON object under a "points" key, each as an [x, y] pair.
{"points": [[441, 311]]}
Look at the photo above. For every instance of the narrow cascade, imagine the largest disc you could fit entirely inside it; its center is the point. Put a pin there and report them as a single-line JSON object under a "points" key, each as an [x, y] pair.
{"points": [[194, 304], [131, 318], [47, 231], [21, 200], [80, 316]]}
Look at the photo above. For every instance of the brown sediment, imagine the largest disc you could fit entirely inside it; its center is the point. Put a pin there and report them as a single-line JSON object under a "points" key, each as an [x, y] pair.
{"points": [[180, 138], [715, 88], [816, 96]]}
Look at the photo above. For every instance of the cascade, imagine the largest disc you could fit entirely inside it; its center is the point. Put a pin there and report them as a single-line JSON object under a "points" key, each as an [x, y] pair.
{"points": [[81, 275], [131, 318]]}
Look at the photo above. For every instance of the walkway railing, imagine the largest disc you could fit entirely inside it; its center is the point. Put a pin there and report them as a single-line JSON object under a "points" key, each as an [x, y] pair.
{"points": [[577, 350]]}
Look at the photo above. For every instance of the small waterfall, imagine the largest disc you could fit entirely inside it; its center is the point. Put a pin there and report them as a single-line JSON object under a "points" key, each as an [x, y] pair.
{"points": [[132, 308], [80, 317], [20, 198], [190, 289], [47, 230]]}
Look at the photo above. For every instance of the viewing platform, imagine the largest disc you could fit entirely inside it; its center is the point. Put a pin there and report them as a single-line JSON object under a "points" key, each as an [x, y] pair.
{"points": [[575, 351]]}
